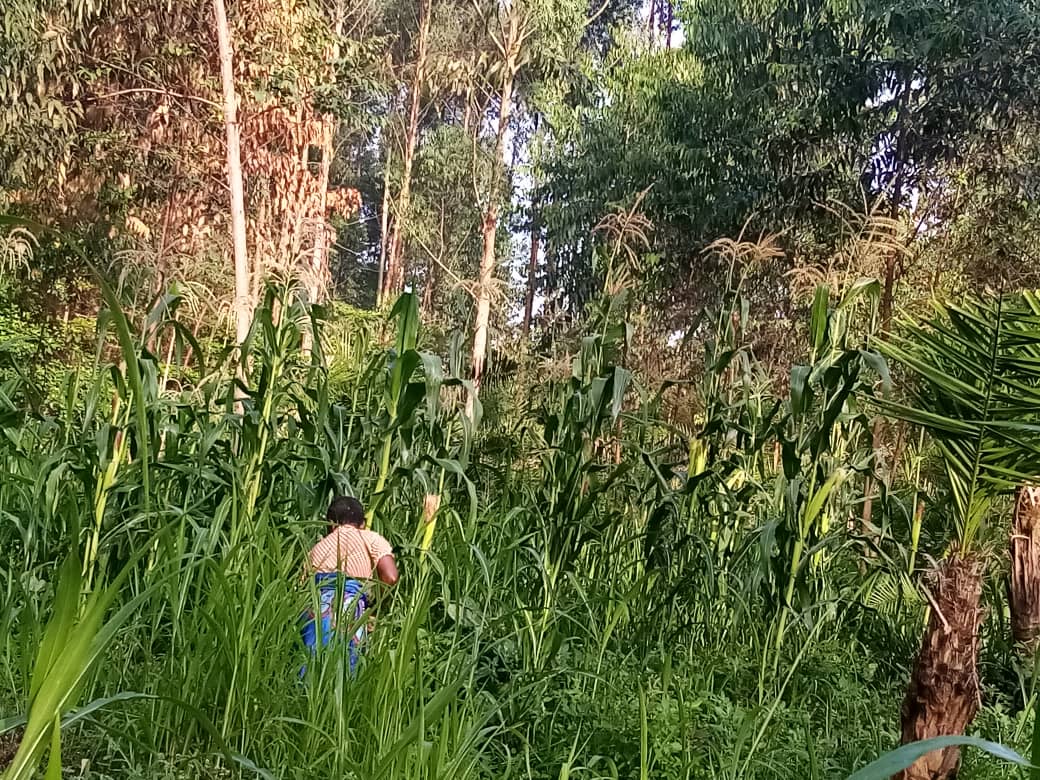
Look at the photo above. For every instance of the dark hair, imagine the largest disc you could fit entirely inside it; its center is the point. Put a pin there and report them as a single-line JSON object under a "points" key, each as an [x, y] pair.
{"points": [[346, 510]]}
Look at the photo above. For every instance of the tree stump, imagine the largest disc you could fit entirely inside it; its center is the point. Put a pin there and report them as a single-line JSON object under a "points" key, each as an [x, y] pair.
{"points": [[1024, 585]]}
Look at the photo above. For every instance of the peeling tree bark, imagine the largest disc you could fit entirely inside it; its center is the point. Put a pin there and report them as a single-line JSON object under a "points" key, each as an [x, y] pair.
{"points": [[943, 696], [319, 275], [1025, 568]]}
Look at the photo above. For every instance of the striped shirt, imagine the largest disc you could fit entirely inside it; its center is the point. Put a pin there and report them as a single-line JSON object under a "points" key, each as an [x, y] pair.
{"points": [[351, 551]]}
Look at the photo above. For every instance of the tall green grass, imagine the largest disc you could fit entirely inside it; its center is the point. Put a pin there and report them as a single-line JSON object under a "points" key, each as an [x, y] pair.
{"points": [[598, 593]]}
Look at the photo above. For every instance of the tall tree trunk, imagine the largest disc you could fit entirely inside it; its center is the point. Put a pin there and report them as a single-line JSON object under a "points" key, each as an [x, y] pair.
{"points": [[901, 163], [319, 276], [532, 272], [1025, 568], [384, 235], [943, 696], [318, 273], [489, 229], [430, 280], [243, 299], [394, 280], [536, 234]]}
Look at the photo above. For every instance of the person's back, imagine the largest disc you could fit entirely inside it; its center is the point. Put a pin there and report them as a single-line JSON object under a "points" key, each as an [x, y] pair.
{"points": [[354, 552], [345, 561]]}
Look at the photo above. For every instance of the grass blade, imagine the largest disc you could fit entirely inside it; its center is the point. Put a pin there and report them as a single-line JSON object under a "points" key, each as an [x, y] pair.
{"points": [[902, 757]]}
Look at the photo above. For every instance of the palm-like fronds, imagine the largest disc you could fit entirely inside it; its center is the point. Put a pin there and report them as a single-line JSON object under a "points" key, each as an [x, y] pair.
{"points": [[977, 393]]}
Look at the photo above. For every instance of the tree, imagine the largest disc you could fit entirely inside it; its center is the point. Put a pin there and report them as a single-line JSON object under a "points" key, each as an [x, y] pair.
{"points": [[1024, 583], [1024, 538], [528, 39], [973, 393], [393, 281], [509, 40], [243, 305], [771, 112], [137, 151]]}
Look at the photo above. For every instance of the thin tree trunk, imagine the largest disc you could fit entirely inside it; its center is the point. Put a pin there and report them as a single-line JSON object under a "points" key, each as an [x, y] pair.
{"points": [[532, 273], [489, 230], [943, 696], [160, 260], [384, 237], [427, 299], [432, 261], [315, 284], [319, 274], [1025, 568], [898, 186], [394, 279], [467, 114], [319, 258], [876, 443], [243, 299]]}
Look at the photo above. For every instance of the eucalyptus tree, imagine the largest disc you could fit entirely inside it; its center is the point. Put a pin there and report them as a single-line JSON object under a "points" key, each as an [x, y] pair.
{"points": [[525, 38], [439, 60], [121, 139], [39, 50], [510, 27], [418, 63], [242, 307]]}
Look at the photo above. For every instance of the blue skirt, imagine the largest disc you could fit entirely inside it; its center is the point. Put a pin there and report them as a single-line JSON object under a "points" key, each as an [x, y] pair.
{"points": [[351, 608]]}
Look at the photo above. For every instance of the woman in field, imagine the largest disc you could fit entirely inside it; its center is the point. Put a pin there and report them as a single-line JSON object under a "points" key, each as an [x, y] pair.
{"points": [[343, 564]]}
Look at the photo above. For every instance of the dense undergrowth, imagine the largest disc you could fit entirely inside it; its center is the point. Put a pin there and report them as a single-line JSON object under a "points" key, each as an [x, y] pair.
{"points": [[588, 590]]}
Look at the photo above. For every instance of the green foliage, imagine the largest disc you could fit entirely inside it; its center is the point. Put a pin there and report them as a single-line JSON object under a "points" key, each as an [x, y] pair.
{"points": [[647, 554], [821, 435], [770, 111], [976, 394], [532, 633], [580, 419], [900, 759], [41, 351], [72, 644], [36, 122], [444, 220]]}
